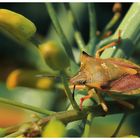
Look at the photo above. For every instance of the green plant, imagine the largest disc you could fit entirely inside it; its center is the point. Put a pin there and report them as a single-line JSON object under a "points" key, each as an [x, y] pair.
{"points": [[77, 123]]}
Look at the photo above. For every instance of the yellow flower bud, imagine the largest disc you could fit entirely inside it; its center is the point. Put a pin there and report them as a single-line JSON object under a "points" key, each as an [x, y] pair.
{"points": [[27, 78], [16, 24], [54, 129], [54, 55]]}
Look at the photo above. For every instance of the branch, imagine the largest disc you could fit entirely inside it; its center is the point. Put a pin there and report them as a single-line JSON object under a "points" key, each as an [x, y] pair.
{"points": [[73, 115]]}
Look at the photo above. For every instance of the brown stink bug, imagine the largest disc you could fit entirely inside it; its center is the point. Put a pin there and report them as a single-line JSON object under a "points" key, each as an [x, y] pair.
{"points": [[108, 75]]}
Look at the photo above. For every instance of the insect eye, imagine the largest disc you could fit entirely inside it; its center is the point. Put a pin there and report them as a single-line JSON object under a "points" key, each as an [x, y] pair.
{"points": [[82, 82]]}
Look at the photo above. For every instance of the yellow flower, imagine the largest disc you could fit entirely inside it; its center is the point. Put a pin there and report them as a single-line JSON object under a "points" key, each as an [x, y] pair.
{"points": [[16, 24], [54, 55], [54, 129]]}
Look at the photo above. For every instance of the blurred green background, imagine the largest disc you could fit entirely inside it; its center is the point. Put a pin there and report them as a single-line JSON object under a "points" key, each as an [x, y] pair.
{"points": [[12, 56]]}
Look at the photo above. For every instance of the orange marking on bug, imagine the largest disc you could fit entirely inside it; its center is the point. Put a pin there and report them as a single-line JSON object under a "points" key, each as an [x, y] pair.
{"points": [[80, 87], [95, 85]]}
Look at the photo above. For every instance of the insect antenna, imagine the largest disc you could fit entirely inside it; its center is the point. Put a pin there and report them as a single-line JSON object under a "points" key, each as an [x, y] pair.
{"points": [[56, 77], [73, 91]]}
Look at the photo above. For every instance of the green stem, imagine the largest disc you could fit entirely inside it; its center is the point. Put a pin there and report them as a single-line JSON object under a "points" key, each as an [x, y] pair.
{"points": [[103, 42], [25, 106], [73, 115], [88, 125], [130, 34], [21, 130], [56, 24], [92, 21], [68, 92], [120, 125], [14, 135], [111, 23], [79, 40], [72, 16], [11, 129], [92, 29], [78, 37]]}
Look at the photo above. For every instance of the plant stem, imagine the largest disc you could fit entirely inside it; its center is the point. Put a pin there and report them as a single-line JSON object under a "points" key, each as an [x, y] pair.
{"points": [[73, 115], [56, 24], [72, 16], [68, 92], [130, 34], [120, 125], [25, 106], [78, 37], [79, 40], [11, 129], [88, 125], [14, 135], [92, 21], [92, 28], [103, 42], [21, 130], [111, 23]]}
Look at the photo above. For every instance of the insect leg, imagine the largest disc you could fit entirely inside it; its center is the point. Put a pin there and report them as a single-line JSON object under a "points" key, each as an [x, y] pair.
{"points": [[90, 94], [102, 102], [124, 103], [98, 52]]}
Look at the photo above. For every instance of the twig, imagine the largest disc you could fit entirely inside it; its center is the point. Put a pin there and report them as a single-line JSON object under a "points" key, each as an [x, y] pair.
{"points": [[21, 130], [14, 135], [73, 115]]}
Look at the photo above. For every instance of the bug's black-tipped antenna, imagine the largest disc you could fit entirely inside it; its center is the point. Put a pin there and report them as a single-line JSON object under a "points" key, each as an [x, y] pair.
{"points": [[50, 76], [73, 92]]}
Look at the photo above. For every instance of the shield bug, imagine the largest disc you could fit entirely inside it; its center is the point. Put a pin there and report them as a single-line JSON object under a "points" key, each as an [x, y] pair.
{"points": [[107, 75]]}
